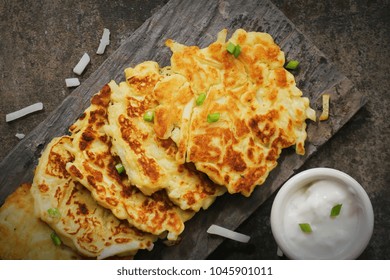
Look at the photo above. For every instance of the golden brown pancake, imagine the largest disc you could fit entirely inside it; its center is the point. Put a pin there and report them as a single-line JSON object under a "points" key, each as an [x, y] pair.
{"points": [[94, 167], [260, 109], [78, 220], [150, 161], [23, 235]]}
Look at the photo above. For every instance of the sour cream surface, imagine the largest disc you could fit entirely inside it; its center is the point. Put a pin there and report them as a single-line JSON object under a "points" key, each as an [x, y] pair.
{"points": [[312, 204], [308, 198]]}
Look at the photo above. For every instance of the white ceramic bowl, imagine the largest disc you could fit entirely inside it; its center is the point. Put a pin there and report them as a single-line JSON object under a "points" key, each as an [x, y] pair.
{"points": [[285, 233]]}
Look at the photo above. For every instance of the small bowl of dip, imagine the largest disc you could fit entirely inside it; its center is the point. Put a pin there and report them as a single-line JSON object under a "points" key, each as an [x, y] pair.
{"points": [[322, 213]]}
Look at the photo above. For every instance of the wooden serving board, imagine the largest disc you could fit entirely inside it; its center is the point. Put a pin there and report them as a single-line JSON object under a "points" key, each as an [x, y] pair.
{"points": [[197, 23]]}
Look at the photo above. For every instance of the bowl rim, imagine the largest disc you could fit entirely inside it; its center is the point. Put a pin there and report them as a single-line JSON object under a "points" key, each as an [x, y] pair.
{"points": [[303, 178]]}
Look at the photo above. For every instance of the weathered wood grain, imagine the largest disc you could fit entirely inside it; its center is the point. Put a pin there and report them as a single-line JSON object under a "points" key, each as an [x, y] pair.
{"points": [[198, 22]]}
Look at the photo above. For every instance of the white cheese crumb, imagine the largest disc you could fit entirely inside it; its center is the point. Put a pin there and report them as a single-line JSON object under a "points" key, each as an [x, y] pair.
{"points": [[218, 230], [24, 111], [20, 136], [82, 64], [104, 41], [72, 82]]}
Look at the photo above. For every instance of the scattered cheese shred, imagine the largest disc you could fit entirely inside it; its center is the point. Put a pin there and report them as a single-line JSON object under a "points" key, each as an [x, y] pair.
{"points": [[72, 82], [23, 112], [218, 230], [20, 136], [104, 41], [82, 64], [325, 107]]}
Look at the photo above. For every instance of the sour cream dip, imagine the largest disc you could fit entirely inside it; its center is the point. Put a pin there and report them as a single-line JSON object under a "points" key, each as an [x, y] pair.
{"points": [[309, 198]]}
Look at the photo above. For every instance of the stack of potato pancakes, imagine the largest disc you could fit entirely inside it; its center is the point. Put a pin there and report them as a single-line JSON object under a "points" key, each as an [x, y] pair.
{"points": [[150, 152]]}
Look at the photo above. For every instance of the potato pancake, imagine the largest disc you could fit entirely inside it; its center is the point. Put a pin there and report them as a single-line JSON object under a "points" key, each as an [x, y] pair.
{"points": [[69, 209], [150, 162], [251, 110], [95, 168]]}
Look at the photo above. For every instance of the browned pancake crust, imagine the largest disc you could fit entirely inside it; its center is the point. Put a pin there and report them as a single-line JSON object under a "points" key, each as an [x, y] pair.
{"points": [[82, 224], [150, 161], [261, 109], [94, 167]]}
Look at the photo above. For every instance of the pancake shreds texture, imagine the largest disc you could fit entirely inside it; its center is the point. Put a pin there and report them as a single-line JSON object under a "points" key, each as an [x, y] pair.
{"points": [[23, 235], [81, 224], [150, 162], [261, 110], [94, 167]]}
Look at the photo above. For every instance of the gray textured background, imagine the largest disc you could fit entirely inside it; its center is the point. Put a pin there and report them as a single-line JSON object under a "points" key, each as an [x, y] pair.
{"points": [[41, 41]]}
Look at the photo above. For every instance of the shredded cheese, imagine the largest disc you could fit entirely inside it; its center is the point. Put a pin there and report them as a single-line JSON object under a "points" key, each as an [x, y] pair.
{"points": [[72, 82], [224, 232], [82, 64], [104, 41], [325, 107], [23, 112], [20, 136]]}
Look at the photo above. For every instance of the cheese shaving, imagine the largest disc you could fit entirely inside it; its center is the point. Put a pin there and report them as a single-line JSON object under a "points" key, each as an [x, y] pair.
{"points": [[23, 112], [325, 107], [104, 41], [224, 232], [20, 136], [82, 64], [72, 82]]}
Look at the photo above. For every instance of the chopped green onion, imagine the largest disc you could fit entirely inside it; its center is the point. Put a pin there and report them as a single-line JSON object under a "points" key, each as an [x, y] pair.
{"points": [[237, 51], [120, 168], [149, 116], [335, 210], [292, 65], [214, 117], [56, 240], [231, 47], [201, 98], [305, 227], [54, 212]]}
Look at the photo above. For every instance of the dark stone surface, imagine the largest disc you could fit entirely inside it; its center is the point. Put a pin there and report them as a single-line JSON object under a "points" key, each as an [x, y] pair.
{"points": [[41, 41]]}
